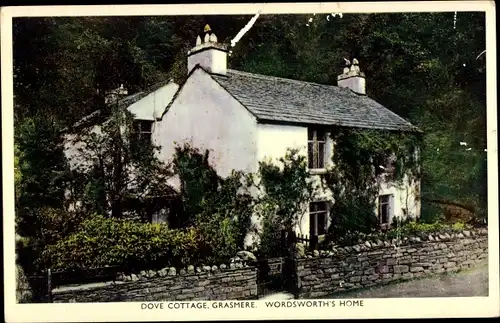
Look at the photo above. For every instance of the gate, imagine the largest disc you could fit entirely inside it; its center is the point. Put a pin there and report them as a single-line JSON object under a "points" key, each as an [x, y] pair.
{"points": [[278, 274]]}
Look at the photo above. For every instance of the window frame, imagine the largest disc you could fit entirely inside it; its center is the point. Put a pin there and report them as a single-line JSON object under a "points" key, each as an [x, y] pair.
{"points": [[315, 163], [389, 167], [389, 206], [322, 208], [143, 134]]}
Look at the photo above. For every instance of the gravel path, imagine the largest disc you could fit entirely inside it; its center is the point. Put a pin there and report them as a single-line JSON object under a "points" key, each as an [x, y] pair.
{"points": [[472, 282], [467, 283]]}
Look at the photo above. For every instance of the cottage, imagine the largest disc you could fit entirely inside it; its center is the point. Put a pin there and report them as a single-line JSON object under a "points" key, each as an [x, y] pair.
{"points": [[243, 118]]}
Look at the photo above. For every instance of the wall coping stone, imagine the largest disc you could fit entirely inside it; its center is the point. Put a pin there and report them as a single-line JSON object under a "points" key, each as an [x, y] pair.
{"points": [[379, 243]]}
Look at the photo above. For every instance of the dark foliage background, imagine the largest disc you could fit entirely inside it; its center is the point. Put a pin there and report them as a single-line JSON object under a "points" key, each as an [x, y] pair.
{"points": [[422, 66]]}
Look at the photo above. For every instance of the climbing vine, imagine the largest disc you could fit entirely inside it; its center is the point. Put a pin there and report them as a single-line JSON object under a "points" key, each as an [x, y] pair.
{"points": [[286, 193], [362, 160]]}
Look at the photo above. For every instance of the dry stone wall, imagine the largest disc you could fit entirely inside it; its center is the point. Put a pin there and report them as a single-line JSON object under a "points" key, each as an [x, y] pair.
{"points": [[378, 262], [234, 281]]}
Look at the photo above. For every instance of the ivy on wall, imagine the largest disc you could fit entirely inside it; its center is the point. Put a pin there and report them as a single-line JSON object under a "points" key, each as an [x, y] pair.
{"points": [[362, 160], [287, 192]]}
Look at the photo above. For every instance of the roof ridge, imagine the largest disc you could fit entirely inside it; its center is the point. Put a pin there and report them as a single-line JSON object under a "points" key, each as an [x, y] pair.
{"points": [[256, 75]]}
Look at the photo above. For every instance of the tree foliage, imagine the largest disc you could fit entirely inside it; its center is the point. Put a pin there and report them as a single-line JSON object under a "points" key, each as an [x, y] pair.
{"points": [[362, 160], [41, 172], [119, 173], [101, 241], [220, 207], [285, 195], [421, 66]]}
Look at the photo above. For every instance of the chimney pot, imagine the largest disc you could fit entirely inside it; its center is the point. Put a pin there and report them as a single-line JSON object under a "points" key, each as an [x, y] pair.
{"points": [[213, 38], [352, 78], [209, 54]]}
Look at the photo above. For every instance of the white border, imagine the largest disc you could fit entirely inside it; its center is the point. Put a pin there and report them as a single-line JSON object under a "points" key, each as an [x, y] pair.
{"points": [[130, 311]]}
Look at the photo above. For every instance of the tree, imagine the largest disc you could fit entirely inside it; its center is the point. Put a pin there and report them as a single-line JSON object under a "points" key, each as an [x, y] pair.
{"points": [[420, 65], [118, 172], [42, 172], [221, 208]]}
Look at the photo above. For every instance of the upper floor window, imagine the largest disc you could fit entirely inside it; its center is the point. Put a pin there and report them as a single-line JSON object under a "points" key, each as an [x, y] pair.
{"points": [[144, 130], [316, 148], [386, 165]]}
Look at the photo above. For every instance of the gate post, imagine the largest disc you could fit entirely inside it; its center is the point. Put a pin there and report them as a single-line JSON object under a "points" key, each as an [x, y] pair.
{"points": [[49, 285], [314, 244]]}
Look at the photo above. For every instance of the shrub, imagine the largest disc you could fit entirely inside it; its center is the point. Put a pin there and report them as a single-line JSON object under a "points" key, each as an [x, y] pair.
{"points": [[53, 225], [103, 241], [354, 177], [401, 230], [198, 181], [270, 244], [350, 216], [219, 237], [220, 207], [287, 191], [458, 226], [287, 183], [416, 227]]}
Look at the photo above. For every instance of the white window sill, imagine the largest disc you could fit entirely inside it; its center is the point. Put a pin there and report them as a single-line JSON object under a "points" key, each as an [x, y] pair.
{"points": [[317, 171]]}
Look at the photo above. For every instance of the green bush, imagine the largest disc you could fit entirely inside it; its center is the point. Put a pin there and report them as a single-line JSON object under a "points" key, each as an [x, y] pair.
{"points": [[416, 228], [219, 237], [105, 242], [351, 215], [221, 208], [270, 244], [287, 192], [287, 183], [53, 225], [458, 226], [413, 227]]}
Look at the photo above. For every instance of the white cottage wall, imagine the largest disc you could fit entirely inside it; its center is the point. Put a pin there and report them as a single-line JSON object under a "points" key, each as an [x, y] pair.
{"points": [[405, 197], [273, 142], [72, 147], [208, 117], [152, 105]]}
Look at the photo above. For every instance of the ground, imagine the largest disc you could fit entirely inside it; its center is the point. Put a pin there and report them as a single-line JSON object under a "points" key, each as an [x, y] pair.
{"points": [[467, 283], [473, 282]]}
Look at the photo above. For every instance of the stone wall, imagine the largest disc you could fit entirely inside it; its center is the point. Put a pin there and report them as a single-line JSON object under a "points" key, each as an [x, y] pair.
{"points": [[237, 281], [378, 262]]}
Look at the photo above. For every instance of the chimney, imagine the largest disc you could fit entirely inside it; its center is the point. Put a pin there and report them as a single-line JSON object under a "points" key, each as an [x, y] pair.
{"points": [[115, 95], [208, 53], [352, 78]]}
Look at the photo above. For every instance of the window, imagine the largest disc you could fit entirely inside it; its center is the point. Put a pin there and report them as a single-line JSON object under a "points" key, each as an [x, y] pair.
{"points": [[384, 209], [386, 165], [318, 215], [316, 144], [144, 130]]}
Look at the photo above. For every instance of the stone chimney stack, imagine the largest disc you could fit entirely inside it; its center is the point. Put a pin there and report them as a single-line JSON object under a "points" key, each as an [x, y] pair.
{"points": [[208, 53], [115, 95], [353, 78]]}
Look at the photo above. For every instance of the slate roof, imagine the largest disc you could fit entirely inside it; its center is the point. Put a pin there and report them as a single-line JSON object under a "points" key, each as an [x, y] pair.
{"points": [[131, 99], [274, 99], [99, 116]]}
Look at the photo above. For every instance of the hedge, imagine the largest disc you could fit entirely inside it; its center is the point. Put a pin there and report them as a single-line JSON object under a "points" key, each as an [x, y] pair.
{"points": [[101, 242]]}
